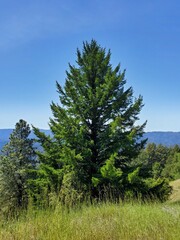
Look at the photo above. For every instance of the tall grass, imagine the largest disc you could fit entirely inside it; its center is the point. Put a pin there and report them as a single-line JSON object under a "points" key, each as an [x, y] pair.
{"points": [[98, 221]]}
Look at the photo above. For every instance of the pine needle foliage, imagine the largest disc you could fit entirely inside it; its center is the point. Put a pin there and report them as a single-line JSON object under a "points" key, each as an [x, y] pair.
{"points": [[17, 160], [94, 126]]}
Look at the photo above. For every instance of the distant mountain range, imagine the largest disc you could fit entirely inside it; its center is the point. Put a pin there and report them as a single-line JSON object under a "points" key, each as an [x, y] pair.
{"points": [[5, 134], [164, 138]]}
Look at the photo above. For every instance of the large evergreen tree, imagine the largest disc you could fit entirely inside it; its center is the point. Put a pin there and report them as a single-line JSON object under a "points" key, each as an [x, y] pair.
{"points": [[95, 132], [16, 161]]}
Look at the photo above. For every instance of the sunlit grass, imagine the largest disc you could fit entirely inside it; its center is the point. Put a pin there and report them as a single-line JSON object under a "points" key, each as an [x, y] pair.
{"points": [[98, 221], [175, 196]]}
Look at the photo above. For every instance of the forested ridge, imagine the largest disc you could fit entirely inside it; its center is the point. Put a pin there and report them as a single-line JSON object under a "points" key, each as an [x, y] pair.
{"points": [[96, 150]]}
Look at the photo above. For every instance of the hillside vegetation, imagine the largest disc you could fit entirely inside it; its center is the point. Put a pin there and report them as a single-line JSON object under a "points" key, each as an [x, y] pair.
{"points": [[104, 221], [94, 177], [96, 147]]}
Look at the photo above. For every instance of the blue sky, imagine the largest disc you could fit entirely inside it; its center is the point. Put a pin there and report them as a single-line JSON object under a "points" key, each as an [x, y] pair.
{"points": [[39, 38]]}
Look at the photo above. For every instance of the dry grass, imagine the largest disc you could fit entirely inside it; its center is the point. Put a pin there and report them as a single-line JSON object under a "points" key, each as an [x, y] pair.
{"points": [[175, 196]]}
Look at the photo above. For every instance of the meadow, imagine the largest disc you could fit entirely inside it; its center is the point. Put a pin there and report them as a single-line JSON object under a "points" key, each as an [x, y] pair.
{"points": [[105, 221]]}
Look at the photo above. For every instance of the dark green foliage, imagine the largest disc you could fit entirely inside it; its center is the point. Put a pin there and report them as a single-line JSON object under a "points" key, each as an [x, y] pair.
{"points": [[16, 161], [153, 159], [94, 126], [47, 177], [159, 164], [172, 167], [159, 161]]}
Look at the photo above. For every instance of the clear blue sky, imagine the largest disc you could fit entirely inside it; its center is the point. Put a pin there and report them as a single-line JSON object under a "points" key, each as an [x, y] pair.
{"points": [[39, 38]]}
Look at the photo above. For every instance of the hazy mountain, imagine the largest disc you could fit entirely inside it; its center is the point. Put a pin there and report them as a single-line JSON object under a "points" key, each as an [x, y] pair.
{"points": [[164, 138], [5, 134]]}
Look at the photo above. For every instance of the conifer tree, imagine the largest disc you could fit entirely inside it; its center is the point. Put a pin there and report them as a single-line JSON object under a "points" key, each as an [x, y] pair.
{"points": [[17, 159], [94, 126]]}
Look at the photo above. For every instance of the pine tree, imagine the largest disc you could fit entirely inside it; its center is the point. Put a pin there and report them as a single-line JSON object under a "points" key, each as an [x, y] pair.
{"points": [[16, 161], [94, 126], [49, 173]]}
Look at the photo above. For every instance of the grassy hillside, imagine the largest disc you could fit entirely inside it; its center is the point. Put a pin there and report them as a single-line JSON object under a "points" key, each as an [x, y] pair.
{"points": [[127, 221], [175, 197], [101, 222]]}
